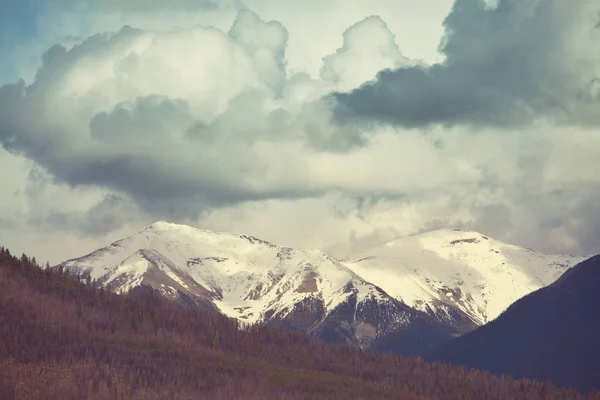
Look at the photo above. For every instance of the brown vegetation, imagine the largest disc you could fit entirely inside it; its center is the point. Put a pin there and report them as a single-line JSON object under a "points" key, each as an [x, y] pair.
{"points": [[308, 285], [63, 339]]}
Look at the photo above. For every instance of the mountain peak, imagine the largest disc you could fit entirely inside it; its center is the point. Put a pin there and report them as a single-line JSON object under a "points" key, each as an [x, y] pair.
{"points": [[460, 278], [177, 231], [163, 225], [256, 281], [441, 238], [454, 234], [464, 270]]}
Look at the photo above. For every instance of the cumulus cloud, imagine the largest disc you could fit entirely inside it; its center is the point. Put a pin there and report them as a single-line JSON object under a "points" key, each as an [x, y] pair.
{"points": [[265, 43], [190, 117], [121, 109], [214, 128], [506, 63], [369, 47]]}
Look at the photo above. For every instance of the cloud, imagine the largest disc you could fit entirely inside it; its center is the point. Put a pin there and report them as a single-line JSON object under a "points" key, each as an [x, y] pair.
{"points": [[132, 5], [416, 26], [30, 27], [265, 43], [369, 46], [506, 63], [120, 110], [45, 218], [217, 127], [188, 119], [107, 216]]}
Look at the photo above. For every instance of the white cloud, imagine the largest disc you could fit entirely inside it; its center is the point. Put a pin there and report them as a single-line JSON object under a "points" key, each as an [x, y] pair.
{"points": [[369, 47], [417, 25], [50, 220], [316, 27], [215, 126]]}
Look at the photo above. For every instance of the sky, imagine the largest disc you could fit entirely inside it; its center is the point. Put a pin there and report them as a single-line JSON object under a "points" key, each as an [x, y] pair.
{"points": [[337, 125]]}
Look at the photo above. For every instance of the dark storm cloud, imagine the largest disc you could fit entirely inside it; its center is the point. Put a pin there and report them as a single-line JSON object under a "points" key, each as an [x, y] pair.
{"points": [[503, 66]]}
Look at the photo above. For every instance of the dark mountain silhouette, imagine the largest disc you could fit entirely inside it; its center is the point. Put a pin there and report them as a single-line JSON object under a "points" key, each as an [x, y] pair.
{"points": [[551, 334]]}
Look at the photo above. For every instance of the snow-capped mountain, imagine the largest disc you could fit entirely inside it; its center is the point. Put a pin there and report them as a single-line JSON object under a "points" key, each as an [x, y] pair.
{"points": [[405, 296], [458, 276], [256, 281]]}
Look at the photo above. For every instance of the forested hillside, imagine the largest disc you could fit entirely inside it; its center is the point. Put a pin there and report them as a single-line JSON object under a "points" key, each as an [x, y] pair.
{"points": [[551, 334], [64, 339]]}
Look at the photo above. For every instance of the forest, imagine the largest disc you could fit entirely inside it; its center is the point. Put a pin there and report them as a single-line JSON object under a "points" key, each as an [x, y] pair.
{"points": [[64, 338]]}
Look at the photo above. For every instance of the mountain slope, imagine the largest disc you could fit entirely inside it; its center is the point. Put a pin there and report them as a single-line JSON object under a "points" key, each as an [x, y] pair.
{"points": [[256, 281], [62, 339], [462, 278], [404, 297], [552, 333]]}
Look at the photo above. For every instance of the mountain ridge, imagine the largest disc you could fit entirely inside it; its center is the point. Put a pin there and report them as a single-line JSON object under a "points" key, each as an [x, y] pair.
{"points": [[549, 334], [256, 281], [461, 272]]}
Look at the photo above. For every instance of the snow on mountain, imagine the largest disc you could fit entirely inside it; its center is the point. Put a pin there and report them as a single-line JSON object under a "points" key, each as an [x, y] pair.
{"points": [[448, 273], [405, 296], [243, 275], [253, 281]]}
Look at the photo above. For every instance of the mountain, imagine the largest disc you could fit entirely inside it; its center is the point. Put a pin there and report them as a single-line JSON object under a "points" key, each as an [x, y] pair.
{"points": [[256, 281], [405, 296], [552, 333], [462, 278], [63, 339]]}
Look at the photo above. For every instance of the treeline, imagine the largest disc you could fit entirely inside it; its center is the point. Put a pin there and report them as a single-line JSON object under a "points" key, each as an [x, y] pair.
{"points": [[63, 339]]}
